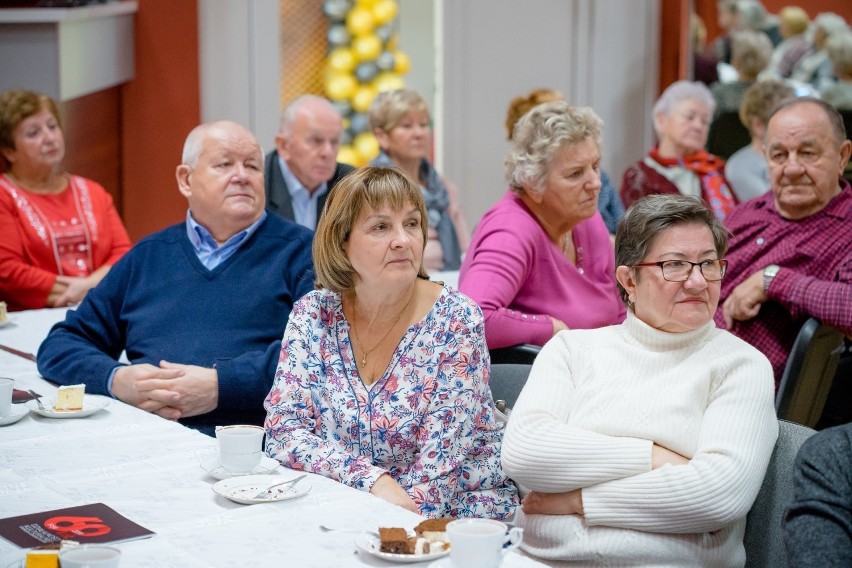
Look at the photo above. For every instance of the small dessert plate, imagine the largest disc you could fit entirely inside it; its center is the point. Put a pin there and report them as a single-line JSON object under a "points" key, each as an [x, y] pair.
{"points": [[216, 470], [17, 412], [91, 404], [371, 545], [243, 489]]}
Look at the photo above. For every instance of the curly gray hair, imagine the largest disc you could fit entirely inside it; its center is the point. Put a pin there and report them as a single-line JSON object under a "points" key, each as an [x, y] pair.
{"points": [[540, 134]]}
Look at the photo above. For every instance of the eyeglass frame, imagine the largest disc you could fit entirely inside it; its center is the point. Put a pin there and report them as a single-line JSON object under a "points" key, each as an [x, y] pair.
{"points": [[722, 262]]}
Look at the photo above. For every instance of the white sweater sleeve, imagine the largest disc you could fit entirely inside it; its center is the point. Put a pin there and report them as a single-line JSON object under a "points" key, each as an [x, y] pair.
{"points": [[544, 453], [722, 479]]}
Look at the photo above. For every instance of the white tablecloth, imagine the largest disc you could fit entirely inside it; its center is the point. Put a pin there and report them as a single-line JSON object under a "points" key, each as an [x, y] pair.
{"points": [[148, 469]]}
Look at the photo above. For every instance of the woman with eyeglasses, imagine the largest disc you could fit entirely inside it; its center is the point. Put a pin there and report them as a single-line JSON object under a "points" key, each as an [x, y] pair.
{"points": [[646, 443]]}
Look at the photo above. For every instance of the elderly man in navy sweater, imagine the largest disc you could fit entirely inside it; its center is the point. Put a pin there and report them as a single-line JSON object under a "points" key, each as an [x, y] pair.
{"points": [[199, 307]]}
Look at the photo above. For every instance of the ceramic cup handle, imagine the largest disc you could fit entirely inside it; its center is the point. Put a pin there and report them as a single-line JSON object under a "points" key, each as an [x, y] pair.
{"points": [[513, 539]]}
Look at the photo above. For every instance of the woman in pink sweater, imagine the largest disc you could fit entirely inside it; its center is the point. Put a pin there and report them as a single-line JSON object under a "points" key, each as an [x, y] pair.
{"points": [[540, 259]]}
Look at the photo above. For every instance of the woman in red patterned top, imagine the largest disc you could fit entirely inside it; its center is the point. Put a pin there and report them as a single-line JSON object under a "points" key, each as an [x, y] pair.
{"points": [[59, 233], [679, 163]]}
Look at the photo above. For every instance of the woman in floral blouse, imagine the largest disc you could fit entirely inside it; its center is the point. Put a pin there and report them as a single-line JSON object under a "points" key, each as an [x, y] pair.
{"points": [[382, 382]]}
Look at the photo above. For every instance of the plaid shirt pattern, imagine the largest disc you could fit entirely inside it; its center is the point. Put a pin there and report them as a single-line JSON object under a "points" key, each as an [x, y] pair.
{"points": [[815, 280]]}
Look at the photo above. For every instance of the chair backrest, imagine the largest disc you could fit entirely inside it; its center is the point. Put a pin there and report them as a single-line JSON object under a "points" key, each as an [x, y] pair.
{"points": [[727, 135], [523, 353], [507, 380], [809, 373], [764, 545]]}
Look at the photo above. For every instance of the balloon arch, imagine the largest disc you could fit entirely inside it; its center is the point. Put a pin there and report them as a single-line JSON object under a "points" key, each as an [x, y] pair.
{"points": [[363, 59]]}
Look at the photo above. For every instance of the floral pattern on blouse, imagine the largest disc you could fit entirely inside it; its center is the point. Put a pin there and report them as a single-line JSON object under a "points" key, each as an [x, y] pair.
{"points": [[429, 421]]}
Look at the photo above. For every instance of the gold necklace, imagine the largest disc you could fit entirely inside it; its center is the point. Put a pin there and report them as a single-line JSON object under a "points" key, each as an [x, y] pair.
{"points": [[385, 336]]}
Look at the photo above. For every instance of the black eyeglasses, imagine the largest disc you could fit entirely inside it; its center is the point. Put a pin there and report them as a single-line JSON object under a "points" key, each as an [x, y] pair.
{"points": [[679, 270]]}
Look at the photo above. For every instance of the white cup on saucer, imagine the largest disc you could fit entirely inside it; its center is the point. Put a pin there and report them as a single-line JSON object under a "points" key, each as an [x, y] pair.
{"points": [[240, 447], [90, 556], [481, 543], [6, 386]]}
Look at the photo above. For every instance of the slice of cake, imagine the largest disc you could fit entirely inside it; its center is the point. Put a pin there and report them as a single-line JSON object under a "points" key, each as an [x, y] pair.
{"points": [[434, 530], [394, 540], [69, 398], [3, 315]]}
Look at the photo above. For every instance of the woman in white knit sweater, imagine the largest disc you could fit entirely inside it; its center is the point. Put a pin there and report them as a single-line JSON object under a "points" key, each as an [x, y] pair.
{"points": [[645, 443]]}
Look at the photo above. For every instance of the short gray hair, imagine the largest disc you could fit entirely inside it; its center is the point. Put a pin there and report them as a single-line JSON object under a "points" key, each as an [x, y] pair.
{"points": [[680, 91], [750, 52], [540, 134], [652, 215], [839, 49], [830, 23], [288, 117], [195, 140], [834, 118]]}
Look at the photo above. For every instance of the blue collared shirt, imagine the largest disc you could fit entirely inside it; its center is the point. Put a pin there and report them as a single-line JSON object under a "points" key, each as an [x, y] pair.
{"points": [[304, 203], [207, 250]]}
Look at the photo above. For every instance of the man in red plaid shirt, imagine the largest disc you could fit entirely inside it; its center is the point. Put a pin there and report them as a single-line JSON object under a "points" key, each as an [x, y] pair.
{"points": [[790, 256]]}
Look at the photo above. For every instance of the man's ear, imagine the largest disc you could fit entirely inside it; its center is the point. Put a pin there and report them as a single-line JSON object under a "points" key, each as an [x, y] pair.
{"points": [[627, 278], [182, 174], [845, 152], [281, 146]]}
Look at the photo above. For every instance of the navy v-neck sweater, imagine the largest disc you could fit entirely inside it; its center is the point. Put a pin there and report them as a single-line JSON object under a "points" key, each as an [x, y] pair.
{"points": [[160, 303]]}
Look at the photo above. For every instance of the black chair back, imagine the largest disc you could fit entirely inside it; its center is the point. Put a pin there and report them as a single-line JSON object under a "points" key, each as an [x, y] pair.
{"points": [[809, 373], [507, 381], [727, 135], [523, 353]]}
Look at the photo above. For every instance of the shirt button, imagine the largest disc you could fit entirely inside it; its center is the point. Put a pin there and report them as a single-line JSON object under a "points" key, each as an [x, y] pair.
{"points": [[759, 240]]}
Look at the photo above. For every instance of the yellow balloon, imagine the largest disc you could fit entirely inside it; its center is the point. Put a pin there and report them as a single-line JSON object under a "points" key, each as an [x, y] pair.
{"points": [[363, 98], [340, 86], [359, 21], [341, 60], [366, 145], [348, 155], [388, 81], [367, 47], [402, 62], [365, 3], [384, 11]]}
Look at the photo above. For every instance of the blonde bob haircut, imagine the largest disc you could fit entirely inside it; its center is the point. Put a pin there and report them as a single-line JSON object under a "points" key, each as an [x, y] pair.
{"points": [[389, 108], [368, 187]]}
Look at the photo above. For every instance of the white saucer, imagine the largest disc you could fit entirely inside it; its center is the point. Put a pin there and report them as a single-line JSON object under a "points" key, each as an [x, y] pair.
{"points": [[91, 404], [371, 545], [243, 489], [18, 412], [216, 470]]}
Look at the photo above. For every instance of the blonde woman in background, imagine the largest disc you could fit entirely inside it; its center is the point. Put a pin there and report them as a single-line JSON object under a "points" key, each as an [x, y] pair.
{"points": [[402, 125]]}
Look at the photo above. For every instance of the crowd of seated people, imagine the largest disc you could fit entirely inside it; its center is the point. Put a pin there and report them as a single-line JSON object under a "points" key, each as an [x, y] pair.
{"points": [[364, 370]]}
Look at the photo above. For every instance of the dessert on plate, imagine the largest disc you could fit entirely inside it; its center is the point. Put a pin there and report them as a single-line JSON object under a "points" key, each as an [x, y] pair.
{"points": [[69, 398], [430, 537]]}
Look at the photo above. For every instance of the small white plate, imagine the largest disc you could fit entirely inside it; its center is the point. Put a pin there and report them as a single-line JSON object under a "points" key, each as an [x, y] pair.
{"points": [[371, 545], [242, 489], [18, 412], [216, 470], [91, 404]]}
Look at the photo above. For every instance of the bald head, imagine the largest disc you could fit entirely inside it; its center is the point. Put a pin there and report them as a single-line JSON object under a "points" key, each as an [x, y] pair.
{"points": [[309, 139]]}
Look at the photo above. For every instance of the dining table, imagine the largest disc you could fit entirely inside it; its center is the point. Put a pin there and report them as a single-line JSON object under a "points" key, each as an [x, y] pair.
{"points": [[156, 473]]}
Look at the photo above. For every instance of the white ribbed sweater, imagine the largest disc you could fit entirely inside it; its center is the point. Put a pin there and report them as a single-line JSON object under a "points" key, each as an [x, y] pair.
{"points": [[594, 403]]}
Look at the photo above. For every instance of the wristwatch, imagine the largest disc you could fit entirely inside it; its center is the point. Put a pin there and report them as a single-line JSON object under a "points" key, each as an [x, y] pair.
{"points": [[768, 275]]}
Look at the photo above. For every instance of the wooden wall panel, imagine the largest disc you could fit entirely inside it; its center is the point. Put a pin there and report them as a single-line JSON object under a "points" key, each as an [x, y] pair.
{"points": [[92, 128]]}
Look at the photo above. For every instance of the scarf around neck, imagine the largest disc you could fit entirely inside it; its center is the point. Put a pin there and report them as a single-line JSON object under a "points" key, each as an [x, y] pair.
{"points": [[708, 168]]}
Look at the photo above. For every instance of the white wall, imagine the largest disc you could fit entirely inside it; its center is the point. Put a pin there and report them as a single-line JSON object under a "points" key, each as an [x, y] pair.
{"points": [[240, 64], [599, 53]]}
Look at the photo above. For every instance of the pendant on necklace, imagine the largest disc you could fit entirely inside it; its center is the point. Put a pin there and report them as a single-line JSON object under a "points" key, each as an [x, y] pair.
{"points": [[364, 361]]}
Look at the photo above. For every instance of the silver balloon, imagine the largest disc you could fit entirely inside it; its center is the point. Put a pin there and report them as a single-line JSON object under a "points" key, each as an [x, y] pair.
{"points": [[359, 122], [336, 9], [343, 107], [386, 61], [338, 35], [384, 33], [365, 72]]}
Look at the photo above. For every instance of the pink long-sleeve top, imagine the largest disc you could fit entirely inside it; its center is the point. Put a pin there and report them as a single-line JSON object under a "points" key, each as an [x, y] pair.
{"points": [[521, 279]]}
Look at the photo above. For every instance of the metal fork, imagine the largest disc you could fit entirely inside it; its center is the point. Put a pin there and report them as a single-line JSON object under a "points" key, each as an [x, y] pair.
{"points": [[266, 491], [37, 398]]}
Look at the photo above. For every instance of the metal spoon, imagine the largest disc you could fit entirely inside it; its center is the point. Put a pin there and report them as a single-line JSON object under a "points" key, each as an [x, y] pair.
{"points": [[37, 398], [324, 528], [266, 491]]}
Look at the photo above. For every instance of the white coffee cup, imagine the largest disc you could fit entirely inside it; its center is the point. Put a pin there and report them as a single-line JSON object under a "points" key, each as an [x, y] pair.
{"points": [[479, 543], [240, 447], [6, 386], [90, 556]]}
